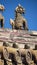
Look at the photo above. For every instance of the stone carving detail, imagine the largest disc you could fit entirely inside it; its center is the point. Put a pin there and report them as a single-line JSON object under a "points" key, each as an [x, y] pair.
{"points": [[19, 22]]}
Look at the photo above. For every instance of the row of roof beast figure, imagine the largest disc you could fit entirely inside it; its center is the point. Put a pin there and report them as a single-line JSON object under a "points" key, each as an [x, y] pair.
{"points": [[19, 22]]}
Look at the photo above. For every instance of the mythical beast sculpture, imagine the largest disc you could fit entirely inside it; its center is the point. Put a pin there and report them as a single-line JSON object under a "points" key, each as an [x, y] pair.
{"points": [[2, 8], [19, 22]]}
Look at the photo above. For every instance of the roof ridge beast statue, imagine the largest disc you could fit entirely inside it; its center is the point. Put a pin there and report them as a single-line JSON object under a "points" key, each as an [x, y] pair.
{"points": [[2, 8], [19, 22]]}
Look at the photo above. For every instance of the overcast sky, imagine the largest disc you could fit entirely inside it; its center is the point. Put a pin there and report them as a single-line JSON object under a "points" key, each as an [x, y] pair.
{"points": [[30, 15]]}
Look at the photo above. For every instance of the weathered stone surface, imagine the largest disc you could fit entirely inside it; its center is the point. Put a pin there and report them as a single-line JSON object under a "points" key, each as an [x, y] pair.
{"points": [[23, 52], [1, 62], [20, 36]]}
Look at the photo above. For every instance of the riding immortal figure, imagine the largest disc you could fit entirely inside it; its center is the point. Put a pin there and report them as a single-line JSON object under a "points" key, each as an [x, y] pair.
{"points": [[19, 22]]}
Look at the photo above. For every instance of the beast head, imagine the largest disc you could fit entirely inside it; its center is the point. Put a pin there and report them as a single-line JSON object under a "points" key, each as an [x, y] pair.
{"points": [[20, 9]]}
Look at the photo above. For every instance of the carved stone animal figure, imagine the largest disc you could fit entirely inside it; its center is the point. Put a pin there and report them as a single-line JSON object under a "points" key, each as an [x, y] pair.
{"points": [[1, 21], [19, 22]]}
